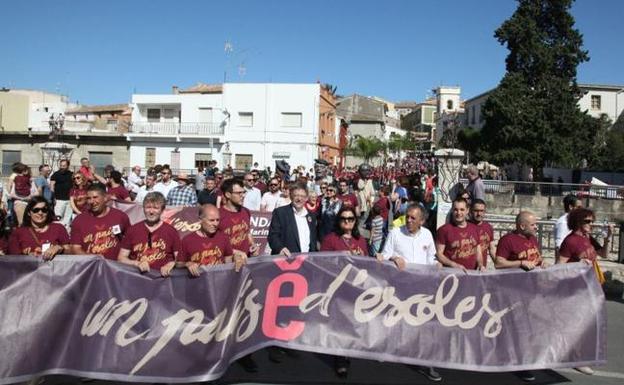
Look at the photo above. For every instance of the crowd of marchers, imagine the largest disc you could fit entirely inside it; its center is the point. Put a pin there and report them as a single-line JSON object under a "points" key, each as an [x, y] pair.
{"points": [[391, 220]]}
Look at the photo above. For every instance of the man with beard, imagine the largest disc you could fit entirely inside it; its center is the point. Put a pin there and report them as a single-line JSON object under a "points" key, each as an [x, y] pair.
{"points": [[457, 243], [167, 183], [99, 230], [236, 219], [152, 243], [348, 199], [150, 182], [484, 229]]}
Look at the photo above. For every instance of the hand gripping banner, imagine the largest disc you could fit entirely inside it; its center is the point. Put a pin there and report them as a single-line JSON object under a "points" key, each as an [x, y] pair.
{"points": [[89, 317]]}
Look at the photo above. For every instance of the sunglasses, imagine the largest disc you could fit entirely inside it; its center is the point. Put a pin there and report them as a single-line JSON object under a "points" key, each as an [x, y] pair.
{"points": [[37, 210], [331, 190], [78, 178], [347, 219], [249, 180], [588, 221], [273, 185]]}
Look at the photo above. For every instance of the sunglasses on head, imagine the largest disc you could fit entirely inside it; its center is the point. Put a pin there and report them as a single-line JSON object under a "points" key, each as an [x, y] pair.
{"points": [[37, 210]]}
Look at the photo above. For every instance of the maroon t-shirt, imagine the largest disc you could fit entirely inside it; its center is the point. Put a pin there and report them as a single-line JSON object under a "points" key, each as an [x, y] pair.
{"points": [[384, 205], [261, 186], [577, 247], [348, 200], [120, 193], [514, 247], [165, 242], [100, 235], [334, 242], [460, 244], [486, 236], [236, 225], [205, 250], [23, 242], [80, 197], [22, 185]]}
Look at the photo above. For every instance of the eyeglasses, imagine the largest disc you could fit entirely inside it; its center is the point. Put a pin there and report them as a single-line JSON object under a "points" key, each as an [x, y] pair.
{"points": [[347, 219], [37, 210], [323, 187], [588, 221], [239, 192], [165, 173]]}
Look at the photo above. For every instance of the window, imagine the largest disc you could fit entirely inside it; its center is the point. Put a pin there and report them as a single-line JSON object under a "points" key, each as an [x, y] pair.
{"points": [[8, 158], [472, 118], [169, 114], [201, 160], [449, 104], [595, 102], [100, 159], [291, 119], [150, 157], [245, 119], [153, 115], [205, 115]]}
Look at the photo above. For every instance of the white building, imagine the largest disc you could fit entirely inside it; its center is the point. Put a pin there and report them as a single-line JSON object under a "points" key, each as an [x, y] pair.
{"points": [[449, 110], [42, 105], [235, 124], [597, 100]]}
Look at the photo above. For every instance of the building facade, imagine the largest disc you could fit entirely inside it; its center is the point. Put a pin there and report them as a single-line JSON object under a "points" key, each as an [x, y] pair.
{"points": [[235, 124]]}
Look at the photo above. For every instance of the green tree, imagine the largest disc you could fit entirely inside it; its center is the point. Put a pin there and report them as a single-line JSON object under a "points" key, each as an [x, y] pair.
{"points": [[532, 117], [367, 148]]}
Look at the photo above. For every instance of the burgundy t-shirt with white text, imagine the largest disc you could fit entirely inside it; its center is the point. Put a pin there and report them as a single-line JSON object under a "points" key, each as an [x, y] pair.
{"points": [[165, 242], [100, 235], [577, 247], [206, 249], [236, 225], [514, 247], [460, 244], [25, 240]]}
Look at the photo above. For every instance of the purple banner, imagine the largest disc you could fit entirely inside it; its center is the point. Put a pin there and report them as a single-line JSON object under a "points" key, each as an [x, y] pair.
{"points": [[89, 317]]}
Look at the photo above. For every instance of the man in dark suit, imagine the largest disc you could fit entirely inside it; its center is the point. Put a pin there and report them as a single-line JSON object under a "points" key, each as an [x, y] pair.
{"points": [[293, 229]]}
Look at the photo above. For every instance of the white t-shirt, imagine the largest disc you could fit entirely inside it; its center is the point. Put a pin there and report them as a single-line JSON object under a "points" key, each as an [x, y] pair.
{"points": [[252, 199], [165, 188], [270, 200], [561, 230], [415, 248]]}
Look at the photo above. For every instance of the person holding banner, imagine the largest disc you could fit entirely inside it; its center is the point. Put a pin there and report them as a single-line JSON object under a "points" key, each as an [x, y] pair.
{"points": [[345, 237], [99, 230], [579, 245], [236, 219], [39, 235], [457, 243], [412, 243], [520, 247], [152, 243]]}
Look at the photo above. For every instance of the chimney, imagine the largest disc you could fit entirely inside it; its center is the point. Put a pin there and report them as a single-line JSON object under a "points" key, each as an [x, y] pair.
{"points": [[175, 90]]}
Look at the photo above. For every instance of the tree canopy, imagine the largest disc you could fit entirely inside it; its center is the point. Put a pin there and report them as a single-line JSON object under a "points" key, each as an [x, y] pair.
{"points": [[532, 117]]}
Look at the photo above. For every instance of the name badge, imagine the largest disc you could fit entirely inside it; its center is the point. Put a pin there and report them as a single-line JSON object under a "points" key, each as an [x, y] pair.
{"points": [[45, 247], [116, 230]]}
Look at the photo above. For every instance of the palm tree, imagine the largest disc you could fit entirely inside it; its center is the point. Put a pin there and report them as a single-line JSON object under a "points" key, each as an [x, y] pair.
{"points": [[366, 148]]}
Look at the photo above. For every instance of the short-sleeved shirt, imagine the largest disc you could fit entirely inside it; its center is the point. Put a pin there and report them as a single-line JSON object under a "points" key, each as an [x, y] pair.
{"points": [[101, 235], [165, 242], [62, 184], [515, 247], [42, 182], [460, 243], [208, 196], [205, 249], [120, 193], [335, 242], [486, 236], [80, 198], [236, 225], [384, 205], [577, 247], [270, 200], [348, 200], [22, 185], [25, 240]]}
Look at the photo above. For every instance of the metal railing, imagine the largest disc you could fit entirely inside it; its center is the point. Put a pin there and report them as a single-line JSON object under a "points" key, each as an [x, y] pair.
{"points": [[551, 189], [546, 235], [77, 126], [170, 128]]}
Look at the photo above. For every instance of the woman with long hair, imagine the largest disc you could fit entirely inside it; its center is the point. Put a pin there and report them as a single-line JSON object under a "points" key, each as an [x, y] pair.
{"points": [[78, 193], [345, 237], [39, 235]]}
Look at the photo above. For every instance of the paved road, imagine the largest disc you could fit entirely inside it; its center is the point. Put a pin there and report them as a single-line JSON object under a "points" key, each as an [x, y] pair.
{"points": [[315, 369]]}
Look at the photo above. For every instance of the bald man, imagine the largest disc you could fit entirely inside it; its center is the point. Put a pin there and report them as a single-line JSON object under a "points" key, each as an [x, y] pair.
{"points": [[211, 246], [520, 247]]}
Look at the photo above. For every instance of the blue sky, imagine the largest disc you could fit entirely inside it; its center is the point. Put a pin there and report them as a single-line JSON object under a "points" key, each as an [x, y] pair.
{"points": [[100, 52]]}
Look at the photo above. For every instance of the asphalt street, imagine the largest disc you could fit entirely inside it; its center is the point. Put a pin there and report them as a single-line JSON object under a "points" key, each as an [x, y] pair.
{"points": [[310, 368]]}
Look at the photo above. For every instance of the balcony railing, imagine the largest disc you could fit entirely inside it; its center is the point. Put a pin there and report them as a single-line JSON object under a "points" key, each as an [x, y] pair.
{"points": [[174, 129], [71, 126], [552, 189]]}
